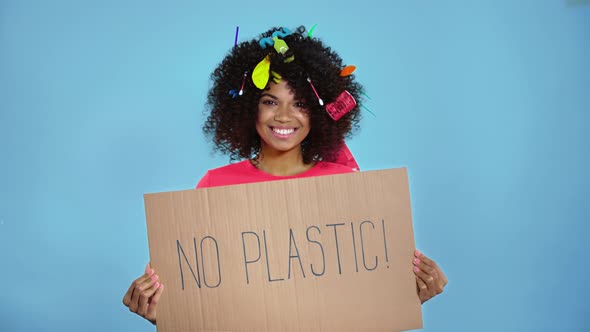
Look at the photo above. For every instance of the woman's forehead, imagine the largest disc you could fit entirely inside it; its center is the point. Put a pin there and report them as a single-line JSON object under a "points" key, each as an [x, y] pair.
{"points": [[282, 89]]}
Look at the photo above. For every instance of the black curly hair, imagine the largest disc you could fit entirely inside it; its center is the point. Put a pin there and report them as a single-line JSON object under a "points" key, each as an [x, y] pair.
{"points": [[231, 118]]}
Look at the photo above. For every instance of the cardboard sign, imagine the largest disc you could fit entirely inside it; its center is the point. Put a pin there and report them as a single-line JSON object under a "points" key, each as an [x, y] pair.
{"points": [[328, 253]]}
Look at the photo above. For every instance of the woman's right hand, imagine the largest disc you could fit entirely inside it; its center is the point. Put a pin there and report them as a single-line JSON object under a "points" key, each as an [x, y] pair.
{"points": [[144, 294]]}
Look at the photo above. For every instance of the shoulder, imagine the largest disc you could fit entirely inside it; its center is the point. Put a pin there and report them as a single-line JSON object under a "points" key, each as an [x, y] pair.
{"points": [[230, 168], [328, 168], [226, 175]]}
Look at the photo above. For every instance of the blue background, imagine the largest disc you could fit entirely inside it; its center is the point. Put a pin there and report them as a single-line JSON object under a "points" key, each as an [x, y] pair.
{"points": [[485, 102]]}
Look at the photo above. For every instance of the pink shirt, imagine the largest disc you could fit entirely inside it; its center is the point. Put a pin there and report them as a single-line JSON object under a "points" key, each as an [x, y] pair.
{"points": [[245, 172]]}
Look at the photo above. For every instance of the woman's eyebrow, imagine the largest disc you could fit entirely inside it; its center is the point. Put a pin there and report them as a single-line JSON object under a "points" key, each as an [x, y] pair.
{"points": [[268, 95]]}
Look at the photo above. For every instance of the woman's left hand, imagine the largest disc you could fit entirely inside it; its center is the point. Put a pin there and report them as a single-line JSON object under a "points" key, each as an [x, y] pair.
{"points": [[430, 279]]}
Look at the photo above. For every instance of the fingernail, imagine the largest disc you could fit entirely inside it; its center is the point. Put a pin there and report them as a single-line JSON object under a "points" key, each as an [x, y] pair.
{"points": [[154, 277], [157, 285], [147, 268], [416, 269], [416, 261], [150, 272], [417, 253]]}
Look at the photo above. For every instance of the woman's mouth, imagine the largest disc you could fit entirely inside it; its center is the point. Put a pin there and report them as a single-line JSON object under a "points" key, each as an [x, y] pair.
{"points": [[283, 132]]}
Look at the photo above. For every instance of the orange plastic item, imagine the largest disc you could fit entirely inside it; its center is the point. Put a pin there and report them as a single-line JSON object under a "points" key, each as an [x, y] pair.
{"points": [[348, 70]]}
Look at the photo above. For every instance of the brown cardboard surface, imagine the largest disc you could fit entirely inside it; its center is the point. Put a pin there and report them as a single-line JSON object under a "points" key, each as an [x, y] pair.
{"points": [[329, 253]]}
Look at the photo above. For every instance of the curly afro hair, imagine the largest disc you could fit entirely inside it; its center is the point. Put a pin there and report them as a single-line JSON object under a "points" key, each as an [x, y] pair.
{"points": [[231, 119]]}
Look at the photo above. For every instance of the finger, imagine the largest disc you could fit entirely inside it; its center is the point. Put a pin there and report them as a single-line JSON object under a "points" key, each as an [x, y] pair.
{"points": [[426, 278], [128, 296], [421, 285], [426, 268], [433, 282], [425, 292], [422, 290], [430, 266], [153, 307], [145, 296], [141, 285], [428, 261], [417, 253]]}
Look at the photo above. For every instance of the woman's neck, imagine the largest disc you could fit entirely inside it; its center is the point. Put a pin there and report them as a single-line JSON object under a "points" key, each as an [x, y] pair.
{"points": [[282, 163]]}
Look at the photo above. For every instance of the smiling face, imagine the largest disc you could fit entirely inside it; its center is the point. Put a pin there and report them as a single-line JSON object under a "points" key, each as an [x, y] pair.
{"points": [[283, 121]]}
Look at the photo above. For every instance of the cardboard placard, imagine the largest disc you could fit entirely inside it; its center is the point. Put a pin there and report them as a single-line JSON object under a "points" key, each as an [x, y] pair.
{"points": [[328, 253]]}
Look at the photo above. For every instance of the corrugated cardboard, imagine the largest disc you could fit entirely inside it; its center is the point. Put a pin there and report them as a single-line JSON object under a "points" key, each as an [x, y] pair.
{"points": [[329, 253]]}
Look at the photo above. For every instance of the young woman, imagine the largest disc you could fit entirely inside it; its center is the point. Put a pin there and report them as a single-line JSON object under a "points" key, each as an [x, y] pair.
{"points": [[283, 104]]}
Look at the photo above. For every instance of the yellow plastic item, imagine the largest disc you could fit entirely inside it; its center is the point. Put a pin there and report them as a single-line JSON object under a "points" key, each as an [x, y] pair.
{"points": [[261, 73]]}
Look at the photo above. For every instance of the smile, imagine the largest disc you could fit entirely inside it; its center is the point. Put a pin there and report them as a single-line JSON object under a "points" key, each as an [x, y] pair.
{"points": [[283, 132]]}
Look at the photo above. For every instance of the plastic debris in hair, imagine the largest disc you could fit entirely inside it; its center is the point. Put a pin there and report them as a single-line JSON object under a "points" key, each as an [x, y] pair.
{"points": [[366, 95], [235, 93], [310, 33], [276, 77], [243, 83], [260, 74], [282, 49], [365, 107], [280, 45], [269, 41], [368, 110], [343, 104], [236, 38], [347, 71], [315, 91]]}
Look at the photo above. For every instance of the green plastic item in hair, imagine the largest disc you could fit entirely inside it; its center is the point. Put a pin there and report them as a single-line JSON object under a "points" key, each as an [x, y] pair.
{"points": [[280, 45], [310, 34], [368, 110], [366, 95]]}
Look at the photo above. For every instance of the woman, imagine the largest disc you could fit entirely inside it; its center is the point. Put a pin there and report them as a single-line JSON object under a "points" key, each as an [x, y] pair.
{"points": [[284, 103]]}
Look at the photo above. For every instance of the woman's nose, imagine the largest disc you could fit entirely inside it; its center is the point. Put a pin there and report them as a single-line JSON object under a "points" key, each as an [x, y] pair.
{"points": [[283, 113]]}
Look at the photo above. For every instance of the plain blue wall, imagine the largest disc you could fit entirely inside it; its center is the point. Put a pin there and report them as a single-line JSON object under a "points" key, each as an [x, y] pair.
{"points": [[486, 103]]}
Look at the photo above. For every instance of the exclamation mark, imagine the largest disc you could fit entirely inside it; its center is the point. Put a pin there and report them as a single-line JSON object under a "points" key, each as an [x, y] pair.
{"points": [[385, 243]]}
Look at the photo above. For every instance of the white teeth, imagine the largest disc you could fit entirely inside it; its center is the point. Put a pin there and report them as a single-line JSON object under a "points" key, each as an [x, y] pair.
{"points": [[283, 131]]}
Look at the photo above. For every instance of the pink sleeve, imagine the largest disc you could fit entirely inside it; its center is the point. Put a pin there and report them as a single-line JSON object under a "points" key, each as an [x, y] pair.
{"points": [[204, 183]]}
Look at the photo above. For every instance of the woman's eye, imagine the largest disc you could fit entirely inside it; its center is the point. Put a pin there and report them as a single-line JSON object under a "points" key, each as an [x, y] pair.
{"points": [[268, 102], [301, 104]]}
